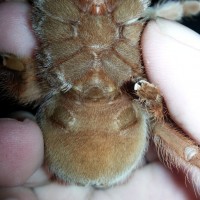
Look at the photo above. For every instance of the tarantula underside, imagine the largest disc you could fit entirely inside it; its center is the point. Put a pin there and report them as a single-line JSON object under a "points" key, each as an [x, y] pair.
{"points": [[97, 110]]}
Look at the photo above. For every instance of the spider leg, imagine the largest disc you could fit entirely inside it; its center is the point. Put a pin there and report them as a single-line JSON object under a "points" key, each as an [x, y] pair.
{"points": [[175, 145], [150, 98], [18, 78], [173, 10], [164, 134], [176, 149]]}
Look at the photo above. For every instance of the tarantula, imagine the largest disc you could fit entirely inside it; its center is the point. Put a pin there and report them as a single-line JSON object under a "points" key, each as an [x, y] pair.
{"points": [[97, 109]]}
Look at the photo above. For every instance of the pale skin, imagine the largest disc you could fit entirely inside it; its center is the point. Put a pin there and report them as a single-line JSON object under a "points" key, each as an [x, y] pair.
{"points": [[171, 56]]}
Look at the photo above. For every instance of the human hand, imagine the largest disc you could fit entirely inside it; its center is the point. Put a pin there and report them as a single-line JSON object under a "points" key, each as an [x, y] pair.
{"points": [[21, 149]]}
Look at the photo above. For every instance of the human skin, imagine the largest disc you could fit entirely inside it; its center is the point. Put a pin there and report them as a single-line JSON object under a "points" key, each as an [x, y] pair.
{"points": [[171, 57]]}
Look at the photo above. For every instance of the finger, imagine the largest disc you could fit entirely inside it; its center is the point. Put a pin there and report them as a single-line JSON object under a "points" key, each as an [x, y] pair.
{"points": [[21, 151], [40, 177], [18, 193], [154, 180], [16, 36], [171, 55]]}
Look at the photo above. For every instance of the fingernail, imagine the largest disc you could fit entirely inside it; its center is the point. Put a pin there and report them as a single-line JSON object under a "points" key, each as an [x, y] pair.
{"points": [[22, 116], [179, 32]]}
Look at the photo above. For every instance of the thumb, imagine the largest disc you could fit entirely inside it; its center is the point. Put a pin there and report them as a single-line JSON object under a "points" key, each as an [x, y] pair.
{"points": [[16, 36], [21, 151], [171, 55]]}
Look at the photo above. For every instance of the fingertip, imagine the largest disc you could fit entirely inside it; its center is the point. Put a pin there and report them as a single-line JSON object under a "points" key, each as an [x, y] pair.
{"points": [[21, 151], [16, 34], [171, 56]]}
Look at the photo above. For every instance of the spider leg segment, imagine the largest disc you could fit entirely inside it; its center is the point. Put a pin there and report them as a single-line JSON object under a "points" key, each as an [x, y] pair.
{"points": [[178, 145], [150, 97], [173, 10], [176, 149], [18, 78]]}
